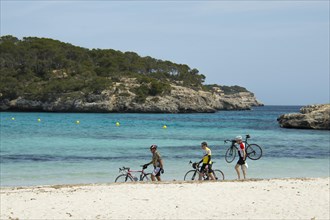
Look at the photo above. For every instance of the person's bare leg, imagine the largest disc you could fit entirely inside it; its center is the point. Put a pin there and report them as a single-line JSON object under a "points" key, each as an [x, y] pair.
{"points": [[158, 178], [244, 171], [237, 171], [153, 178], [211, 175], [200, 177]]}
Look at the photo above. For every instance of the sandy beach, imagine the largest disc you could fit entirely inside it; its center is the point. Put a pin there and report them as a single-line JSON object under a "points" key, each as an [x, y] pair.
{"points": [[251, 199]]}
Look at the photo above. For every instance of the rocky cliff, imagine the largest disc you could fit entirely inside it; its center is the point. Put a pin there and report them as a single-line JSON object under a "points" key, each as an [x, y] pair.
{"points": [[121, 98], [42, 74], [310, 117]]}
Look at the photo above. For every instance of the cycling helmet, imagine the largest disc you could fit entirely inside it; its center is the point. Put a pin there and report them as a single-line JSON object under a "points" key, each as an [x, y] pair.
{"points": [[154, 146], [204, 143], [238, 138]]}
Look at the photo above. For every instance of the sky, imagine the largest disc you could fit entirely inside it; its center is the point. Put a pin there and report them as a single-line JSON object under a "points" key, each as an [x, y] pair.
{"points": [[279, 50]]}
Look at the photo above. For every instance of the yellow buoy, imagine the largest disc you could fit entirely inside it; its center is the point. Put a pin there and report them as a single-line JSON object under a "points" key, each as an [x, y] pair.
{"points": [[117, 124], [39, 120], [13, 118], [77, 122], [164, 126]]}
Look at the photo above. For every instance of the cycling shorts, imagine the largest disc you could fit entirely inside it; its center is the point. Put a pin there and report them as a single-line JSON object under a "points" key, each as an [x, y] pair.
{"points": [[241, 161], [209, 166], [156, 171]]}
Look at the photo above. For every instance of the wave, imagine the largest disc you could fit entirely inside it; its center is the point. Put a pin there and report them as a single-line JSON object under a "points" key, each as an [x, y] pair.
{"points": [[194, 155], [70, 158]]}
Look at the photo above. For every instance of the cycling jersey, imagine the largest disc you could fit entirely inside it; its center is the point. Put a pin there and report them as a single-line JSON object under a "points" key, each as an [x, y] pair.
{"points": [[241, 148], [156, 159], [209, 168], [207, 156]]}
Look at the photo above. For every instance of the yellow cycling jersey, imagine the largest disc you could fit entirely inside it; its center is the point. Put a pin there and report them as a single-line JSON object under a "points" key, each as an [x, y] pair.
{"points": [[207, 153]]}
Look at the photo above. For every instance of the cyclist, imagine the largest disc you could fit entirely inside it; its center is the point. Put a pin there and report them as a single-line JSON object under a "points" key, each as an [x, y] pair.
{"points": [[157, 162], [207, 163], [242, 157]]}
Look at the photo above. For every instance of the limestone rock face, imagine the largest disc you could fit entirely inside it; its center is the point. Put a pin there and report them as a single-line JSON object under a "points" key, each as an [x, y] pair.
{"points": [[121, 98], [310, 117]]}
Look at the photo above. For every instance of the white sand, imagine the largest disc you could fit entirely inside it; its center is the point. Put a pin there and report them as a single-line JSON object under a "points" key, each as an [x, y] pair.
{"points": [[254, 199]]}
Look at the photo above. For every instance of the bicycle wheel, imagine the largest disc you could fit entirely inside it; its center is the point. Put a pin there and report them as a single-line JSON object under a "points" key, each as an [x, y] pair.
{"points": [[191, 175], [230, 154], [218, 174], [146, 177], [254, 152], [123, 178]]}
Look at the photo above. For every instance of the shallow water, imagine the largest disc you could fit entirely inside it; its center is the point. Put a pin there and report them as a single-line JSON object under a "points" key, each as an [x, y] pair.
{"points": [[57, 150]]}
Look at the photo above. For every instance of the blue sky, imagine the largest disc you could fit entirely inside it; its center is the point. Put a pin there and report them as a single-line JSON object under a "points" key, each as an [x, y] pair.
{"points": [[279, 50]]}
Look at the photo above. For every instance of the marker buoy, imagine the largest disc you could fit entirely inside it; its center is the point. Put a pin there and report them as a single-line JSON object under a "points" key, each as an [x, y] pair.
{"points": [[117, 124], [39, 120], [164, 126], [77, 122], [13, 118]]}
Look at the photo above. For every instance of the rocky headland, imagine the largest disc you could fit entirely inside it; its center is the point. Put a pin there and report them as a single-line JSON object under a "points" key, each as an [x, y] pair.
{"points": [[310, 117], [121, 98], [41, 74]]}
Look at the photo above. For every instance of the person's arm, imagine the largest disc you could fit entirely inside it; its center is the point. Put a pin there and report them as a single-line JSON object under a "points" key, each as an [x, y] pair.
{"points": [[208, 156], [161, 164], [146, 165]]}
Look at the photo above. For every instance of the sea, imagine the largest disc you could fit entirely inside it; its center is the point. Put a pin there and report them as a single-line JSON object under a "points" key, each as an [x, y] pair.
{"points": [[86, 148]]}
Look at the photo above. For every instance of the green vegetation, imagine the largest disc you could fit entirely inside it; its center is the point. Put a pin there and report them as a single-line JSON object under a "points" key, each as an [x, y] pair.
{"points": [[233, 89], [43, 69], [225, 89], [151, 87]]}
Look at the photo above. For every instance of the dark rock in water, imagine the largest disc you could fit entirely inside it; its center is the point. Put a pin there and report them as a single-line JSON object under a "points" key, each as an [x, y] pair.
{"points": [[310, 117]]}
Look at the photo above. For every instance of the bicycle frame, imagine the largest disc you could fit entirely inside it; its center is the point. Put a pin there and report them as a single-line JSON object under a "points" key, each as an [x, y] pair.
{"points": [[253, 151], [205, 173], [128, 172]]}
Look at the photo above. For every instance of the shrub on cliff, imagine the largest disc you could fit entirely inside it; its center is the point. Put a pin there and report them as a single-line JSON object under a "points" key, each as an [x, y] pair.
{"points": [[151, 88]]}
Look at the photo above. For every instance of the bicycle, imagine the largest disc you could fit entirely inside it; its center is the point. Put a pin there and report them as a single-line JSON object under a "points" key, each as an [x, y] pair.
{"points": [[127, 175], [253, 151], [194, 174]]}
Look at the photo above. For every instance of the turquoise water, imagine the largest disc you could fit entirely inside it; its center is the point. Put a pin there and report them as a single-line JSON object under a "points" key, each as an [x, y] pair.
{"points": [[57, 150]]}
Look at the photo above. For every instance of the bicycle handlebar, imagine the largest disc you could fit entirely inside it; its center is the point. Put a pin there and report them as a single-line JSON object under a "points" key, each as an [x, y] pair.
{"points": [[246, 137], [197, 164], [124, 168], [194, 164], [229, 141], [143, 167], [127, 168]]}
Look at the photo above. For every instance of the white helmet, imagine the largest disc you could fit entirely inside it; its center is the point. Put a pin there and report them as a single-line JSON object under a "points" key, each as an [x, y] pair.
{"points": [[238, 138]]}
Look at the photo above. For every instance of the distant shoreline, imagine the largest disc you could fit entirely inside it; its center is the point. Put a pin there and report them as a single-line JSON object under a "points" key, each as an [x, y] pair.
{"points": [[181, 113]]}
